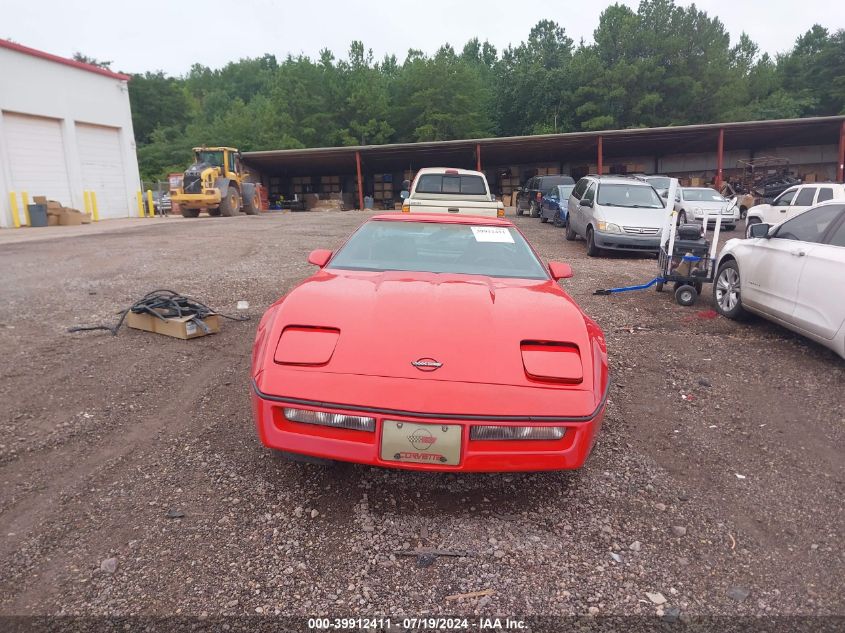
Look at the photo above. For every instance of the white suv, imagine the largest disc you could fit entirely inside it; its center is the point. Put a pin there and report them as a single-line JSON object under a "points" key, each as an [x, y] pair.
{"points": [[794, 201]]}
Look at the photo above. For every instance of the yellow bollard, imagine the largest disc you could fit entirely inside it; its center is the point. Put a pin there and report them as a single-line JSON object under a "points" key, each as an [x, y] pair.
{"points": [[86, 201], [150, 206], [95, 214], [140, 205], [25, 200], [13, 205]]}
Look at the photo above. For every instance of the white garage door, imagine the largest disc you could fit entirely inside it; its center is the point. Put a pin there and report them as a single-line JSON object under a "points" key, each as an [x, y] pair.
{"points": [[102, 168], [37, 156]]}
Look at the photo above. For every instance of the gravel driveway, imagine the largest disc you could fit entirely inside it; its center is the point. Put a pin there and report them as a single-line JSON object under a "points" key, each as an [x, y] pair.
{"points": [[133, 482]]}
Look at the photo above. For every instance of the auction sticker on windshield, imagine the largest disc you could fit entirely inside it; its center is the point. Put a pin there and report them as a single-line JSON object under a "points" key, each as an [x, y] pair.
{"points": [[421, 443], [492, 234]]}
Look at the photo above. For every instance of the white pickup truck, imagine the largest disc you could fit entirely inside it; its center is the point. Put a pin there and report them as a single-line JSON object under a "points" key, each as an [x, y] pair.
{"points": [[446, 190]]}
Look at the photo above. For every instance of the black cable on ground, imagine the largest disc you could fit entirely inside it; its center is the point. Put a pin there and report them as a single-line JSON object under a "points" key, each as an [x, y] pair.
{"points": [[163, 304]]}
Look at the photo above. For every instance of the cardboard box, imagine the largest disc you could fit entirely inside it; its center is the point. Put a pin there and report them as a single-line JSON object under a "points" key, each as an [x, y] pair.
{"points": [[52, 220], [39, 199], [810, 177], [184, 327], [69, 217]]}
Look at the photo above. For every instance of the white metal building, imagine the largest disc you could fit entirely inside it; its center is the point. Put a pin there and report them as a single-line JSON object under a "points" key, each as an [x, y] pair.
{"points": [[65, 128]]}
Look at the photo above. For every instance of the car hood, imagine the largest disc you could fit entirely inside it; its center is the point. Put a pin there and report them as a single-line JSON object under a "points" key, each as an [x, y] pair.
{"points": [[646, 218], [476, 326]]}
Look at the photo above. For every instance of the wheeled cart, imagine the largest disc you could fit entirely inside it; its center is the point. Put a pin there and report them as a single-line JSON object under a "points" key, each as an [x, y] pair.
{"points": [[687, 260]]}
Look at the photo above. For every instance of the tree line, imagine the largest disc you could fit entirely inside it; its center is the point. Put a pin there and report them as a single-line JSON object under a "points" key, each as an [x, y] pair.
{"points": [[661, 64]]}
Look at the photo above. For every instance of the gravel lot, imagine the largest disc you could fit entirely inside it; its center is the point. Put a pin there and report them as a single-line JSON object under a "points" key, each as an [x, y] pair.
{"points": [[133, 482]]}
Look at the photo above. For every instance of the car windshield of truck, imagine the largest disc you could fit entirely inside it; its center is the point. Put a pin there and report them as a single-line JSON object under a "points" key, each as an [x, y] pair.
{"points": [[215, 159], [631, 196], [493, 251], [658, 182], [447, 183], [551, 181], [703, 195]]}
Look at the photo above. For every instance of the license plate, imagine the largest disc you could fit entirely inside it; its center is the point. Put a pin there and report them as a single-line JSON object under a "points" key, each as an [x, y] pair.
{"points": [[421, 443]]}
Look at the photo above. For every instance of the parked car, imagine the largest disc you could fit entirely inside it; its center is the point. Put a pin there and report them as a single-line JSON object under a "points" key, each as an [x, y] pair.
{"points": [[792, 273], [692, 203], [553, 207], [615, 213], [793, 201], [409, 348], [529, 198], [447, 190]]}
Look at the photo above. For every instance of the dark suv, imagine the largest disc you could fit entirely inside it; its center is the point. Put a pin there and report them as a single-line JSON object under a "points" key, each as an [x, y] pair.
{"points": [[531, 196]]}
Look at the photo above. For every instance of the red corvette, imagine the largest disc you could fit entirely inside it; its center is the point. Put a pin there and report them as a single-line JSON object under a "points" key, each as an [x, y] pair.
{"points": [[431, 342]]}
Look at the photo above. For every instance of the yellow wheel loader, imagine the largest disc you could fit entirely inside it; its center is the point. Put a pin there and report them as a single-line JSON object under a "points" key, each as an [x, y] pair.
{"points": [[216, 182]]}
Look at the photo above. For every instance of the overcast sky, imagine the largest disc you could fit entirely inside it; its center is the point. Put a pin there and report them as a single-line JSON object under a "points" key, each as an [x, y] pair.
{"points": [[171, 36]]}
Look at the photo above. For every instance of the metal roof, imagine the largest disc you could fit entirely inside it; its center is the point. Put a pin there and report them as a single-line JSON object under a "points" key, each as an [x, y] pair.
{"points": [[571, 146], [19, 48]]}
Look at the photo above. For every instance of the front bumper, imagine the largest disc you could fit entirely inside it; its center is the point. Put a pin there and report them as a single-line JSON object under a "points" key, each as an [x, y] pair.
{"points": [[362, 447], [197, 200], [627, 242], [727, 220]]}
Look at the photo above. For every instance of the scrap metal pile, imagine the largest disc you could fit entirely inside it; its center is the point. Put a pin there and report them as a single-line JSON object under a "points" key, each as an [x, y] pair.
{"points": [[765, 177]]}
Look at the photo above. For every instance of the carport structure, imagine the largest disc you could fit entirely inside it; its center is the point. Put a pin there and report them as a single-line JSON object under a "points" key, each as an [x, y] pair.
{"points": [[707, 150]]}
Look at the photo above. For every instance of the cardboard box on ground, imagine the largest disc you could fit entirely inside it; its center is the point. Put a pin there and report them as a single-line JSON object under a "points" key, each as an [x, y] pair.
{"points": [[184, 327], [58, 214]]}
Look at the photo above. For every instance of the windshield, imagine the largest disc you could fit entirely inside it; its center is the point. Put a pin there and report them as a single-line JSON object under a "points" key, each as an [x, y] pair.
{"points": [[658, 182], [551, 181], [564, 191], [439, 183], [494, 251], [215, 159], [703, 195], [629, 195]]}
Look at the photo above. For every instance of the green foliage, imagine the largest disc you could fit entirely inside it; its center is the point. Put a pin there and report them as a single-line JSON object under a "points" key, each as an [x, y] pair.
{"points": [[661, 64]]}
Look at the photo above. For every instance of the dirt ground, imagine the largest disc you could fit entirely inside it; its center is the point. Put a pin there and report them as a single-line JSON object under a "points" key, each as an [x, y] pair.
{"points": [[717, 481]]}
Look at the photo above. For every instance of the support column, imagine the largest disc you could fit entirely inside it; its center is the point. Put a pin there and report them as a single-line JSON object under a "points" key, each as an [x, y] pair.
{"points": [[478, 157], [600, 157], [360, 180], [720, 155], [840, 167]]}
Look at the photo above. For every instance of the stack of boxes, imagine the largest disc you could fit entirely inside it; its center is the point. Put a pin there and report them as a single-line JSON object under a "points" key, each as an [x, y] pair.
{"points": [[330, 184], [302, 185], [509, 185], [383, 186], [58, 214]]}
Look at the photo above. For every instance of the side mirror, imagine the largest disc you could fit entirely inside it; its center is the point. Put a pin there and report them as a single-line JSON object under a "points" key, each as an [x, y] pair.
{"points": [[761, 229], [406, 185], [320, 257], [404, 194], [559, 270], [585, 203]]}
